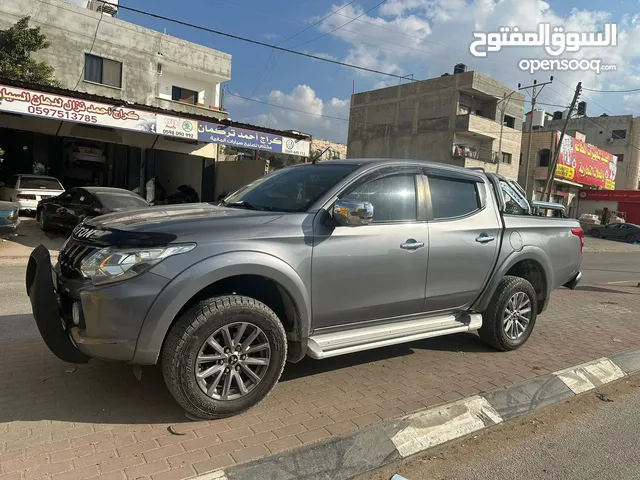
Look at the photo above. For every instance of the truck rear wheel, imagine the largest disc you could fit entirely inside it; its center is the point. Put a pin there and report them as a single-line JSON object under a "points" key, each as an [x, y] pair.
{"points": [[223, 356], [511, 316]]}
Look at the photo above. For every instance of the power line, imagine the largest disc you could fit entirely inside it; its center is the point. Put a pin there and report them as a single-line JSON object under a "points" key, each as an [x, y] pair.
{"points": [[255, 42], [273, 65], [344, 25], [612, 91]]}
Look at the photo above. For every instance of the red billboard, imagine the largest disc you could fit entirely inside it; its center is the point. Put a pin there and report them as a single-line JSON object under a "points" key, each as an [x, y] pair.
{"points": [[586, 164]]}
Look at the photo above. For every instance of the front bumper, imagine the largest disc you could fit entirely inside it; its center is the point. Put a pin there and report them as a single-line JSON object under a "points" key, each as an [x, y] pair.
{"points": [[111, 316]]}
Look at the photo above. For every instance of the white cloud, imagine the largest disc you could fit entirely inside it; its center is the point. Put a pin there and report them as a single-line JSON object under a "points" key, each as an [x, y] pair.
{"points": [[432, 35], [304, 98]]}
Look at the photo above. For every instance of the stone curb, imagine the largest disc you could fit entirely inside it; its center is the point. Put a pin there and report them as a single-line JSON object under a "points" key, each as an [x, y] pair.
{"points": [[375, 447]]}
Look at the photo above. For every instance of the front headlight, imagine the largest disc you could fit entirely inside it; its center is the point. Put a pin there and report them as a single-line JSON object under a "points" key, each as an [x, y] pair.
{"points": [[113, 264]]}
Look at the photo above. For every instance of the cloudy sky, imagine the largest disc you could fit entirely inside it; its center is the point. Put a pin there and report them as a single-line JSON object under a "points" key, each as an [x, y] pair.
{"points": [[422, 38]]}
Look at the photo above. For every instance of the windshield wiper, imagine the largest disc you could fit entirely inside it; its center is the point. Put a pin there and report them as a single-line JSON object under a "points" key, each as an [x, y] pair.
{"points": [[247, 205]]}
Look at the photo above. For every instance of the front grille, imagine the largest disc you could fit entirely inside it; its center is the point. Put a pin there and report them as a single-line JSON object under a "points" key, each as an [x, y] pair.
{"points": [[70, 257]]}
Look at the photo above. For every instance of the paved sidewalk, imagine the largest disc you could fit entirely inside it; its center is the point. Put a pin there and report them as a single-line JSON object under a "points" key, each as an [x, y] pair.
{"points": [[69, 421], [15, 250]]}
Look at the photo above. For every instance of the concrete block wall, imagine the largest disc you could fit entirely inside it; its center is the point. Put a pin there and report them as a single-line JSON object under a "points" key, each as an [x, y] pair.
{"points": [[74, 31]]}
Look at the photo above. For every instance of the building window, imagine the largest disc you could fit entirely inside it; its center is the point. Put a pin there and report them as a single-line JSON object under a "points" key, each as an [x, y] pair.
{"points": [[183, 95], [544, 157], [520, 159], [620, 157], [102, 70], [509, 122], [619, 134], [506, 158]]}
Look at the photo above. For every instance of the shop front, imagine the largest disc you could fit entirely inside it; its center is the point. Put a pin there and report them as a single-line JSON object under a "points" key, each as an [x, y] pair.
{"points": [[84, 139], [623, 203]]}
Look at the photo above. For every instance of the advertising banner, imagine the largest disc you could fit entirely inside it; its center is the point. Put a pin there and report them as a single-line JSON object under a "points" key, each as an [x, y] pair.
{"points": [[611, 196], [583, 163], [57, 107], [238, 137], [177, 127]]}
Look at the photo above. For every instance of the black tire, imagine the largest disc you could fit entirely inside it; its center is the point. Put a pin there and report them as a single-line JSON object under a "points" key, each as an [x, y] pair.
{"points": [[492, 330], [44, 224], [631, 238], [190, 332]]}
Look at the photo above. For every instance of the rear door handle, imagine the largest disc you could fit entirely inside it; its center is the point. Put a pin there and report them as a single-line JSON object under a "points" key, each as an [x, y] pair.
{"points": [[411, 244], [484, 238]]}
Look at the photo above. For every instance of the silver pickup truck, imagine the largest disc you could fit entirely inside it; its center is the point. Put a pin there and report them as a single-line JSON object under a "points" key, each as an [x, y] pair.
{"points": [[314, 260]]}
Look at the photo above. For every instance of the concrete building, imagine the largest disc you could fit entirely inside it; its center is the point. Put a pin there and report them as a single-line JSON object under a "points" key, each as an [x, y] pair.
{"points": [[452, 119], [171, 87], [619, 135]]}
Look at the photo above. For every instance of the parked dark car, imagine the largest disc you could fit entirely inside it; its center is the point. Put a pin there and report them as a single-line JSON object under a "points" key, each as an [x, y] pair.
{"points": [[628, 232], [9, 219], [69, 209]]}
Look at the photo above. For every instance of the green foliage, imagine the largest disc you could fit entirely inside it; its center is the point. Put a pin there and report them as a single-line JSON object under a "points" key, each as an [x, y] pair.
{"points": [[17, 43]]}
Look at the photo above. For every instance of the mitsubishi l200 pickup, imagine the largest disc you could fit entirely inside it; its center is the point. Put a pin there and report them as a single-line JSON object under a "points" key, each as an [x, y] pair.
{"points": [[315, 260]]}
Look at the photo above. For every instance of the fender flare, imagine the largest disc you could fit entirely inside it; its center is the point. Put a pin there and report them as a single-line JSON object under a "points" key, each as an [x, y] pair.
{"points": [[182, 288], [529, 252]]}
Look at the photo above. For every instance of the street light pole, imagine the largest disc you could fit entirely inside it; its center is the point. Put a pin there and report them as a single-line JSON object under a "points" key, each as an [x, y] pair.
{"points": [[505, 99]]}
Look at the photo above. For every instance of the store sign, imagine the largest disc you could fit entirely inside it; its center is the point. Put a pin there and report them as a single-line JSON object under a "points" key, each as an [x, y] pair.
{"points": [[583, 163], [177, 127], [238, 137], [57, 107], [611, 195]]}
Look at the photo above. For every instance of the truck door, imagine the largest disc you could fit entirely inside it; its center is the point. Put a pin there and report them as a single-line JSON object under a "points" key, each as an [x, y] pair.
{"points": [[464, 239], [375, 271]]}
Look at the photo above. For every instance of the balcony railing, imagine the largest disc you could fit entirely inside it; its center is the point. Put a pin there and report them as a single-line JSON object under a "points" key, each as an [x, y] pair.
{"points": [[463, 151]]}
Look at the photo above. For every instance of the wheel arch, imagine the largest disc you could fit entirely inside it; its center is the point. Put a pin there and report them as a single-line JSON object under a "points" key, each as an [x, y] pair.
{"points": [[531, 264], [254, 274]]}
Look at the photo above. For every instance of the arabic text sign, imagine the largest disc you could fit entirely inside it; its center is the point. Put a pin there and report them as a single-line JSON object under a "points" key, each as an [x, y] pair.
{"points": [[238, 137], [554, 40], [586, 164], [39, 104]]}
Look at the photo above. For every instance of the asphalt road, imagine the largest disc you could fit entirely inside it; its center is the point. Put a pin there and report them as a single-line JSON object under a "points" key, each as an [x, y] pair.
{"points": [[592, 436], [15, 309]]}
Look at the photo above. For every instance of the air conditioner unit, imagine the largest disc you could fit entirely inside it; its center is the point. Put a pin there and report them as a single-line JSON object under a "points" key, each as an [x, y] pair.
{"points": [[159, 69]]}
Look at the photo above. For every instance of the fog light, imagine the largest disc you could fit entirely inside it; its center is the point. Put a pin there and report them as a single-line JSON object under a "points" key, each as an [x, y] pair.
{"points": [[75, 312]]}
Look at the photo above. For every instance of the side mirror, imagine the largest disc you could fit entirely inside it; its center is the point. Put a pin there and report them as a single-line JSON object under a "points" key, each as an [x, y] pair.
{"points": [[351, 213]]}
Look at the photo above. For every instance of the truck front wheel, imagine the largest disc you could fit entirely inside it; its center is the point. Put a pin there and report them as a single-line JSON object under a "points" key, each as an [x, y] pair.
{"points": [[223, 356], [511, 316]]}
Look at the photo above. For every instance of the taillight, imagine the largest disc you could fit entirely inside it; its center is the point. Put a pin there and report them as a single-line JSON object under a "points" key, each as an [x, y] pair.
{"points": [[13, 217], [580, 234], [25, 196]]}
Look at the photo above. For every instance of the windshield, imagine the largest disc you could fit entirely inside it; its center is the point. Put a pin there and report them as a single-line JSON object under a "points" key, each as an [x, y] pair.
{"points": [[291, 189], [119, 201], [40, 183]]}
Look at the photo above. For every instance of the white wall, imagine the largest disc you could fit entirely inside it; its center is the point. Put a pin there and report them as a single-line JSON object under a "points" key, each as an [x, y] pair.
{"points": [[170, 78]]}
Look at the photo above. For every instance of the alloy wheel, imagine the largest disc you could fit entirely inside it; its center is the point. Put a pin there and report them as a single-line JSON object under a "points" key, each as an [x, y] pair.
{"points": [[516, 315], [233, 361]]}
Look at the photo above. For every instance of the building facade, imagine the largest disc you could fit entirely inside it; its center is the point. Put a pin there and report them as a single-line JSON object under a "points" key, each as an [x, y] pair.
{"points": [[133, 105], [619, 135], [453, 119], [580, 165]]}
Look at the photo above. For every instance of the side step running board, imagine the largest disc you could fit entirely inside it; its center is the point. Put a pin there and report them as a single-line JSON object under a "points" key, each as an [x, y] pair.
{"points": [[356, 340]]}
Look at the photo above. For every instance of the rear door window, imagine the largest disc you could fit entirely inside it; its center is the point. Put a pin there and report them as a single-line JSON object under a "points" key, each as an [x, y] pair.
{"points": [[452, 197]]}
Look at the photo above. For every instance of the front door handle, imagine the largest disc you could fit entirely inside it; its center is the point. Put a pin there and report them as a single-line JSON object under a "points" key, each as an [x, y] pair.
{"points": [[411, 244], [484, 238]]}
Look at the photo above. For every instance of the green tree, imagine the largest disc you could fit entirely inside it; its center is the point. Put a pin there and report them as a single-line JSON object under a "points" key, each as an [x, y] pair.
{"points": [[17, 43]]}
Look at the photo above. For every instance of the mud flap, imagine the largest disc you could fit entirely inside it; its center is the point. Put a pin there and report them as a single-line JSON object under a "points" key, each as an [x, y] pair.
{"points": [[45, 308]]}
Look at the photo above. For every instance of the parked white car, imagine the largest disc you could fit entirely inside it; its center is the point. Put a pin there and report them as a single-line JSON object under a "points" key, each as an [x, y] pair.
{"points": [[28, 190]]}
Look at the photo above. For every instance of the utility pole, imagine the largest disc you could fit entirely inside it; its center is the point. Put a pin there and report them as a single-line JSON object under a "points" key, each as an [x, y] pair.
{"points": [[552, 168], [505, 99], [534, 95]]}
